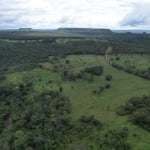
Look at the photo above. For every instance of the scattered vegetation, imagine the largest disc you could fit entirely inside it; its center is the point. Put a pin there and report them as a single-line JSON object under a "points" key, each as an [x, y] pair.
{"points": [[138, 109], [131, 69], [45, 92], [132, 64]]}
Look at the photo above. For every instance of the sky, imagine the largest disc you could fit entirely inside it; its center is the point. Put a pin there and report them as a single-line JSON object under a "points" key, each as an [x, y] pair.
{"points": [[46, 14]]}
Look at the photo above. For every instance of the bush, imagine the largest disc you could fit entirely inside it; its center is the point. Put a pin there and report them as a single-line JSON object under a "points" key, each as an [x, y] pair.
{"points": [[60, 89], [2, 77], [117, 58], [90, 120], [95, 70], [67, 61], [108, 77], [142, 118], [107, 86]]}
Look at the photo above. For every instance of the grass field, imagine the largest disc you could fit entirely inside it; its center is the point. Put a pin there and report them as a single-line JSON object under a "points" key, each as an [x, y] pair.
{"points": [[135, 60], [123, 86]]}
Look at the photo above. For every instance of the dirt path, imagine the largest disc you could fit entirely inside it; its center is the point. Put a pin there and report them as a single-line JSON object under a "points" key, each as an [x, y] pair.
{"points": [[106, 57]]}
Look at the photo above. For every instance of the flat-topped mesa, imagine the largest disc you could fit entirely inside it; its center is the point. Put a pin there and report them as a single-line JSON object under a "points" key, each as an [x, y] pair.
{"points": [[85, 30], [25, 29]]}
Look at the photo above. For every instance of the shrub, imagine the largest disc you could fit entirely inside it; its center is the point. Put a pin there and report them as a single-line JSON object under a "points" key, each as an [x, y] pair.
{"points": [[95, 70], [60, 89], [67, 61], [2, 77], [141, 118], [108, 77], [107, 86]]}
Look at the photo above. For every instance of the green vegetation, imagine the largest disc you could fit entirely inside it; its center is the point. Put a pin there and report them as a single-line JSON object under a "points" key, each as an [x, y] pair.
{"points": [[61, 93], [40, 122], [115, 140], [131, 64], [82, 100], [95, 70], [108, 77], [139, 111], [134, 60]]}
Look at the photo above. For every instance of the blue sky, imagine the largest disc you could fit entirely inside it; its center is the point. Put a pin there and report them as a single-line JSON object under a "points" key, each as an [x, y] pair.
{"points": [[113, 14]]}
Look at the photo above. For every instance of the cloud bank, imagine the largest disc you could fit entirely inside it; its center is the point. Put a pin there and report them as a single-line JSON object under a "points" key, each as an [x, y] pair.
{"points": [[139, 16], [74, 13]]}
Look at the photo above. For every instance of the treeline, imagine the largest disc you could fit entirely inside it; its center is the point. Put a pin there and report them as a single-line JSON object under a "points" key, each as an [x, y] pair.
{"points": [[133, 70], [138, 110], [129, 43], [121, 42], [21, 56]]}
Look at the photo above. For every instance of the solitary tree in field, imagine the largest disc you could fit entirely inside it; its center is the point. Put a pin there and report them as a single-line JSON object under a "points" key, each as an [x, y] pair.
{"points": [[60, 89], [108, 77]]}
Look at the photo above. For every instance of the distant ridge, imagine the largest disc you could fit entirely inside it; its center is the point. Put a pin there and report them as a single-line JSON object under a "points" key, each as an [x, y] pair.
{"points": [[132, 31], [85, 30], [25, 29]]}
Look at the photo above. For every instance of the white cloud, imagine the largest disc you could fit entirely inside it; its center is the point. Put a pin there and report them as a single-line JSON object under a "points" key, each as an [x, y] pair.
{"points": [[65, 13], [139, 16]]}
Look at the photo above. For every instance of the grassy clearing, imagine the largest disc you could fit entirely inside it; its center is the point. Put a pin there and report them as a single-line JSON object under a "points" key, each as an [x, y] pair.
{"points": [[84, 102], [39, 77], [135, 60]]}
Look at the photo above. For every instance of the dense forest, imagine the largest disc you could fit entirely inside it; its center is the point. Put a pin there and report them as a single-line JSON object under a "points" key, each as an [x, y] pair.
{"points": [[27, 51]]}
